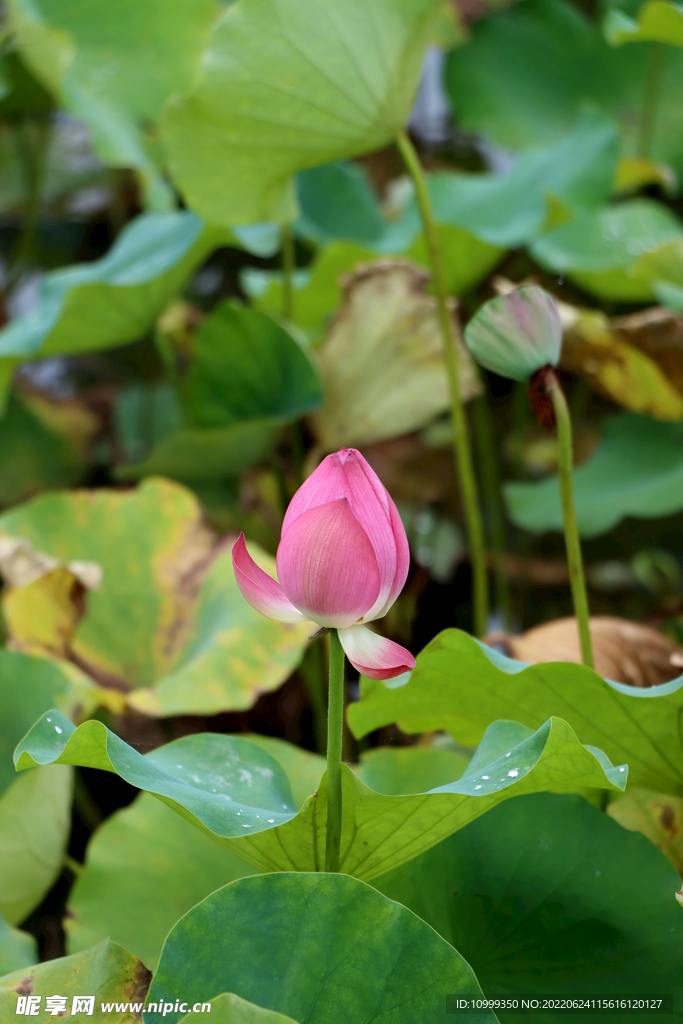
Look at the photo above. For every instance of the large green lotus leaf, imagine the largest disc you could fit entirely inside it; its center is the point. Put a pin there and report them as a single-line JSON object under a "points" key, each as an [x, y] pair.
{"points": [[35, 820], [316, 947], [340, 212], [636, 470], [658, 21], [398, 770], [246, 366], [530, 71], [602, 251], [303, 768], [230, 1009], [546, 895], [115, 66], [109, 972], [196, 454], [17, 949], [247, 379], [338, 203], [34, 812], [235, 791], [145, 867], [510, 208], [168, 619], [117, 298], [28, 687], [460, 685], [299, 83]]}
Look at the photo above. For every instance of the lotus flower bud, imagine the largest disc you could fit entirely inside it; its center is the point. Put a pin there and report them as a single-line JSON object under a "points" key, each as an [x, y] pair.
{"points": [[516, 334], [342, 561]]}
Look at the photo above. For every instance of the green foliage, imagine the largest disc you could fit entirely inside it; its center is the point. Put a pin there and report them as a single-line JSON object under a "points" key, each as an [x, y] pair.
{"points": [[296, 94], [397, 770], [245, 366], [602, 251], [34, 811], [636, 470], [225, 785], [115, 67], [117, 298], [512, 207], [540, 897], [658, 21], [145, 868], [17, 949], [36, 459], [529, 72], [248, 377], [317, 935], [460, 685]]}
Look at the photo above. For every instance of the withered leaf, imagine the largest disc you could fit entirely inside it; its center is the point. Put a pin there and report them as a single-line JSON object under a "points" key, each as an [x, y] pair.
{"points": [[382, 360], [624, 651]]}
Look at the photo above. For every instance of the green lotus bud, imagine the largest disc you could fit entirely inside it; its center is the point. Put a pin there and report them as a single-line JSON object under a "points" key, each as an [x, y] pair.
{"points": [[516, 334]]}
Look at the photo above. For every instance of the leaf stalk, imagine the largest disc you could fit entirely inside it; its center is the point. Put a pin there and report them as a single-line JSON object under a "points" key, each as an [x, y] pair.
{"points": [[461, 440], [571, 531]]}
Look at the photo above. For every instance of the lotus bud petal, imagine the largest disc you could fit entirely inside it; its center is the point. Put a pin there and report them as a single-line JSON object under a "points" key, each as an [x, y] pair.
{"points": [[374, 655], [516, 334], [342, 560]]}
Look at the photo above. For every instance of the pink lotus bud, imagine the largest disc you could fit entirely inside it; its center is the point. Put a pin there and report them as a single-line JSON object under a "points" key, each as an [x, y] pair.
{"points": [[342, 561]]}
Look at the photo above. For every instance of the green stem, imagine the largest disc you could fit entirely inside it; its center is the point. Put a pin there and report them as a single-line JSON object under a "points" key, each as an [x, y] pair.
{"points": [[288, 264], [571, 531], [461, 443], [313, 671], [335, 729], [648, 114], [485, 443]]}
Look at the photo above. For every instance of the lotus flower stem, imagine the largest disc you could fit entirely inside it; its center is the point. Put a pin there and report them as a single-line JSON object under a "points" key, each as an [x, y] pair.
{"points": [[461, 442], [313, 671], [335, 729], [288, 264], [485, 446], [571, 532]]}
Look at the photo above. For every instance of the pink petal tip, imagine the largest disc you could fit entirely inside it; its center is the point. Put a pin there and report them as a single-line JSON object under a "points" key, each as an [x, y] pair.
{"points": [[374, 655]]}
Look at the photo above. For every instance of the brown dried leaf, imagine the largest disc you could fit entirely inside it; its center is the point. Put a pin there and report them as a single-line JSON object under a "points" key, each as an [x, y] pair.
{"points": [[624, 360], [627, 652], [382, 361]]}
